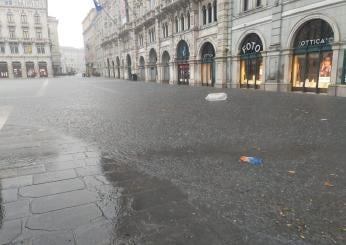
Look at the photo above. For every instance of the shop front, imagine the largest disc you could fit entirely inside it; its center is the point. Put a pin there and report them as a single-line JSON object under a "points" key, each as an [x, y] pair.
{"points": [[128, 65], [42, 67], [313, 56], [141, 69], [118, 67], [3, 70], [152, 67], [251, 62], [165, 67], [208, 65], [183, 55], [17, 69], [30, 69]]}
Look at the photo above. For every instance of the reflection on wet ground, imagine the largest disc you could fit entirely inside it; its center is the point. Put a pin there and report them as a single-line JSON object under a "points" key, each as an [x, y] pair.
{"points": [[58, 190]]}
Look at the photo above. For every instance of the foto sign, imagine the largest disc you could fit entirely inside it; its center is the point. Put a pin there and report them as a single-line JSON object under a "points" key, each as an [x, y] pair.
{"points": [[251, 47]]}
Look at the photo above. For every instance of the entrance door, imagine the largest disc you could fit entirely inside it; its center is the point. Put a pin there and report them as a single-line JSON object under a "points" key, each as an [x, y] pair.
{"points": [[207, 72], [251, 72], [183, 74]]}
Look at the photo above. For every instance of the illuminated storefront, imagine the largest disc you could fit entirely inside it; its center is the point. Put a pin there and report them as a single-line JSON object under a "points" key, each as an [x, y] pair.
{"points": [[42, 67], [208, 65], [3, 70], [183, 55], [17, 69], [251, 62], [313, 56]]}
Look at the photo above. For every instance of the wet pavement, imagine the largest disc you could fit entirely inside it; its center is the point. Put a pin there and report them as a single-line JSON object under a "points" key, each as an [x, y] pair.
{"points": [[96, 161]]}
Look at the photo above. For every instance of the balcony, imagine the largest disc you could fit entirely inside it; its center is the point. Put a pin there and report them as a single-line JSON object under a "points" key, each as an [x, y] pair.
{"points": [[25, 24], [11, 23]]}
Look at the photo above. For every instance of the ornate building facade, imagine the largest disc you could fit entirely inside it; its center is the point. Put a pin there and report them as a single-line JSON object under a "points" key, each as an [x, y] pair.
{"points": [[25, 49], [276, 45]]}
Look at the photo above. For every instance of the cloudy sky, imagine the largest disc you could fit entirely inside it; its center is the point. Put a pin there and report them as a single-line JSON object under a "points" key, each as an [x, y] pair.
{"points": [[70, 14]]}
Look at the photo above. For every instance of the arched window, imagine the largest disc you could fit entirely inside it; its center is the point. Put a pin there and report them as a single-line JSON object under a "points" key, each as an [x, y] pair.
{"points": [[176, 24], [188, 20], [313, 57], [204, 13], [215, 10], [182, 22], [209, 13]]}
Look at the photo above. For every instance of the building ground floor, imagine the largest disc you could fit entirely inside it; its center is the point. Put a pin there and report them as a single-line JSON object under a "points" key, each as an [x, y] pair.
{"points": [[310, 56], [25, 68]]}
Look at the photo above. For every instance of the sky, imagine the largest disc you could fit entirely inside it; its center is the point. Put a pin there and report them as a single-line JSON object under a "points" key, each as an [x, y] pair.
{"points": [[70, 14]]}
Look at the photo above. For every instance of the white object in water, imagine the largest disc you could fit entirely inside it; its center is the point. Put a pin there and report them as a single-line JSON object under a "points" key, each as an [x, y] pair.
{"points": [[216, 97]]}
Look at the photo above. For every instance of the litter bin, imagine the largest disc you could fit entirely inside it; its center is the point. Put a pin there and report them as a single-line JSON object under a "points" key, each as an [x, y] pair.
{"points": [[134, 77]]}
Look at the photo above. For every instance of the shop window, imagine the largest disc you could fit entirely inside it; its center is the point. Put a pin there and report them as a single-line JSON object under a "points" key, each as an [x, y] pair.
{"points": [[313, 55], [208, 65], [183, 55], [3, 70], [251, 62], [17, 69], [43, 71]]}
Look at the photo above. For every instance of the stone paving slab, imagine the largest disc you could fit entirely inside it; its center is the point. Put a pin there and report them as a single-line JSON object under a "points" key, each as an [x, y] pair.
{"points": [[10, 230], [55, 166], [54, 176], [52, 188], [61, 201], [30, 170], [56, 238], [9, 195], [89, 170], [16, 210], [100, 232], [16, 182], [65, 219]]}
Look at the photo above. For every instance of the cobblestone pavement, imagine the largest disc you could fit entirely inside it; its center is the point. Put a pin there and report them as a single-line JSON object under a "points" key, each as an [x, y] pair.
{"points": [[96, 161]]}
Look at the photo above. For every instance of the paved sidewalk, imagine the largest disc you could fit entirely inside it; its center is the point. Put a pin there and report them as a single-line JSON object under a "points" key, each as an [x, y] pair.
{"points": [[57, 190]]}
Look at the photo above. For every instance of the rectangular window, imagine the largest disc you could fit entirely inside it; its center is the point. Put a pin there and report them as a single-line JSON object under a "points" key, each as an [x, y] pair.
{"points": [[14, 48], [2, 48], [258, 3], [24, 19], [26, 33], [39, 33], [27, 48], [37, 19], [12, 32], [10, 18], [40, 49]]}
